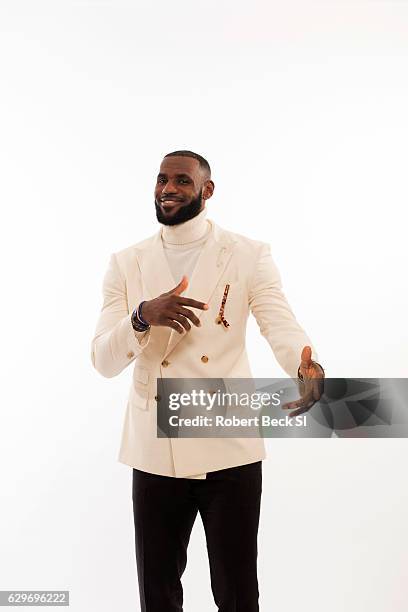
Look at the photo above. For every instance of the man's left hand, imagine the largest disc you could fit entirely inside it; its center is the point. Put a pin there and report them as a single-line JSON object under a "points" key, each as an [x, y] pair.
{"points": [[311, 384]]}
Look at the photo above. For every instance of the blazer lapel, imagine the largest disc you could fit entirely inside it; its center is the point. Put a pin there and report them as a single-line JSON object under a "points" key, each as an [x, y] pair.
{"points": [[213, 259], [155, 270]]}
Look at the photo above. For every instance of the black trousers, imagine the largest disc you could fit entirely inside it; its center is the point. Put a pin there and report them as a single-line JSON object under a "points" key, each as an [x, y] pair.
{"points": [[165, 509]]}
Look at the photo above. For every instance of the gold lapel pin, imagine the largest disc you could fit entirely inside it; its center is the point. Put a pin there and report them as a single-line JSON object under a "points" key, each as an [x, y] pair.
{"points": [[220, 318]]}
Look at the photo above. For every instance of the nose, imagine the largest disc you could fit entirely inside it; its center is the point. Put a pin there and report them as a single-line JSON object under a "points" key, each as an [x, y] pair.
{"points": [[169, 189]]}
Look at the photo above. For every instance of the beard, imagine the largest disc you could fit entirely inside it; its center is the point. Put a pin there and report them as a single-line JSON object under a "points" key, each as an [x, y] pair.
{"points": [[185, 213]]}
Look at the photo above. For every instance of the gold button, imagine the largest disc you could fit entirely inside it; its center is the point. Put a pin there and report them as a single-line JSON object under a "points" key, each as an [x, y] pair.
{"points": [[165, 363], [157, 398], [130, 355], [204, 358]]}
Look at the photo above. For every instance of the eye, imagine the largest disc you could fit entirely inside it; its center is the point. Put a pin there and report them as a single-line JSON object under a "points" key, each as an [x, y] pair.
{"points": [[161, 180], [184, 181]]}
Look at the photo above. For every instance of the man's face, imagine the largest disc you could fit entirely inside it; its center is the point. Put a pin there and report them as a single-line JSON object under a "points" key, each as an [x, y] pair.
{"points": [[181, 190]]}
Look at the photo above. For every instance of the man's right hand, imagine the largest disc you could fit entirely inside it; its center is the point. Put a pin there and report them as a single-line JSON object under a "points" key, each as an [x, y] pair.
{"points": [[169, 309]]}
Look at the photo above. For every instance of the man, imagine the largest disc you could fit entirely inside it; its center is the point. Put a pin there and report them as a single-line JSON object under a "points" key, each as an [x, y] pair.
{"points": [[166, 311]]}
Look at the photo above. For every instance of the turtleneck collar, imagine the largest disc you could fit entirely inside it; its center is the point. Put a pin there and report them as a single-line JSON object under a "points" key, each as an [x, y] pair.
{"points": [[186, 232]]}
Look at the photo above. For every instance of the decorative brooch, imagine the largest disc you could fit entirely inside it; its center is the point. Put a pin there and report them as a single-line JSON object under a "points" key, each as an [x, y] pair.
{"points": [[220, 318]]}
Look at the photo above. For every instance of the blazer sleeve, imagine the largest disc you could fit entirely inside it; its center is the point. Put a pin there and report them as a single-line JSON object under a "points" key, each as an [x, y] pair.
{"points": [[115, 343], [272, 312]]}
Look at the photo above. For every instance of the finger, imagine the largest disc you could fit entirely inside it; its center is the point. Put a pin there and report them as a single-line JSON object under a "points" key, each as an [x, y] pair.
{"points": [[301, 410], [182, 320], [313, 371], [182, 286], [319, 370], [317, 389], [194, 303], [174, 325], [300, 404], [295, 404], [316, 394], [190, 315], [299, 407], [291, 405], [302, 401], [305, 359], [319, 385]]}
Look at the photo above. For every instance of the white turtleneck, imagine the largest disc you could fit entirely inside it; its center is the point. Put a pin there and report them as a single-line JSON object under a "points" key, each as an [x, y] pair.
{"points": [[182, 245]]}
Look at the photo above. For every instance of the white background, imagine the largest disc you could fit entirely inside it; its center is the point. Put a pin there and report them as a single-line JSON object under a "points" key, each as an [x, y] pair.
{"points": [[301, 110]]}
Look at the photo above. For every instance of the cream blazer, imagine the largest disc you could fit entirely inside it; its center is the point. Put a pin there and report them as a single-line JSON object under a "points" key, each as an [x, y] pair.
{"points": [[141, 272]]}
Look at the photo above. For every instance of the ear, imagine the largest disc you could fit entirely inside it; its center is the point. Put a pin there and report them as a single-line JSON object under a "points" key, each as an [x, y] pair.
{"points": [[208, 189]]}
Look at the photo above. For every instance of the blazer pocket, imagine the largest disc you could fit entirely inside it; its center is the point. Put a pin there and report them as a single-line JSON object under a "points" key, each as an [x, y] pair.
{"points": [[233, 307], [139, 391]]}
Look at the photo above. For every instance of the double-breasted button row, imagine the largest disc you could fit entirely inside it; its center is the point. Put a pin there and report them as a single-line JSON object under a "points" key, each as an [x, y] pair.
{"points": [[166, 363]]}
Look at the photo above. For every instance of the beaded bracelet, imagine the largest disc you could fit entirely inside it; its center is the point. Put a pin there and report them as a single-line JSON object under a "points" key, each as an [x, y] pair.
{"points": [[138, 323]]}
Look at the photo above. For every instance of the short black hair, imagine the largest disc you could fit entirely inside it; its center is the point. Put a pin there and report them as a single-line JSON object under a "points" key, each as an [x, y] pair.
{"points": [[204, 165]]}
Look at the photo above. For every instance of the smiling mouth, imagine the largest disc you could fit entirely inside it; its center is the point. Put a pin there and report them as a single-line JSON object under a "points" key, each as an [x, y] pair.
{"points": [[170, 204]]}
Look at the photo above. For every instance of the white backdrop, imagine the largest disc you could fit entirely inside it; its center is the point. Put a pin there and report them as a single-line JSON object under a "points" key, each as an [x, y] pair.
{"points": [[301, 110]]}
